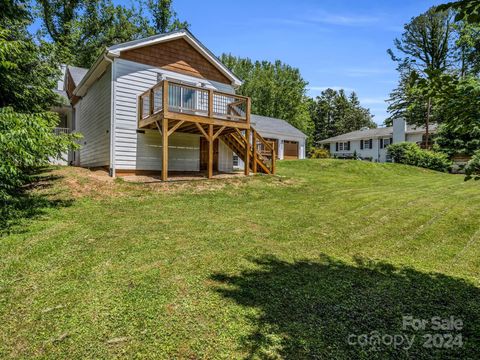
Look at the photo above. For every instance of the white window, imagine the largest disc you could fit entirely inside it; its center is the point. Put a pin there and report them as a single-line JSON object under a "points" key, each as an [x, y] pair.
{"points": [[343, 146], [367, 144], [385, 142]]}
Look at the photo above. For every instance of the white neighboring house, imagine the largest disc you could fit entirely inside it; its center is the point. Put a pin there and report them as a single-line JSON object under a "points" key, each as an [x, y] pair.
{"points": [[371, 144], [168, 89]]}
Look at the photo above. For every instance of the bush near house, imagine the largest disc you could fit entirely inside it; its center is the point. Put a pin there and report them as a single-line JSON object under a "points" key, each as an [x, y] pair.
{"points": [[411, 154], [472, 169], [27, 141], [319, 153]]}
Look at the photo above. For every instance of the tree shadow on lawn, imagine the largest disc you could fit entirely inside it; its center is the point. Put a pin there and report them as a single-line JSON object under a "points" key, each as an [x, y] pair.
{"points": [[319, 310], [31, 201]]}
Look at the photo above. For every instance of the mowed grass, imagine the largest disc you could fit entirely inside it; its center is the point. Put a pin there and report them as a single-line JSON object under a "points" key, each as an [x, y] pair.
{"points": [[260, 267]]}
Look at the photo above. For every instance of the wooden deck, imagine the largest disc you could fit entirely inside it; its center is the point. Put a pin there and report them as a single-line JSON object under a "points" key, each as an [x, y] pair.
{"points": [[173, 106]]}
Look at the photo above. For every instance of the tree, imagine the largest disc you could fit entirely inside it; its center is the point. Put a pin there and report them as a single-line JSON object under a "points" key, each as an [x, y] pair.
{"points": [[27, 78], [466, 10], [468, 48], [460, 105], [27, 71], [104, 24], [276, 89], [425, 42], [164, 17], [27, 141], [426, 45], [82, 29], [334, 113]]}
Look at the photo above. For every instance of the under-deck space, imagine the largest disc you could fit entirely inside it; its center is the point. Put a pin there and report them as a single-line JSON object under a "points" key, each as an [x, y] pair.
{"points": [[172, 107]]}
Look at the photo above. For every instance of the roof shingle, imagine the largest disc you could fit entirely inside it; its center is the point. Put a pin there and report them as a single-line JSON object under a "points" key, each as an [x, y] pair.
{"points": [[273, 125], [374, 133]]}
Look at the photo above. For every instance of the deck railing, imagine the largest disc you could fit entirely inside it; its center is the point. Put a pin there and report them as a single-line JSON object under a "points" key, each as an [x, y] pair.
{"points": [[264, 150], [193, 100]]}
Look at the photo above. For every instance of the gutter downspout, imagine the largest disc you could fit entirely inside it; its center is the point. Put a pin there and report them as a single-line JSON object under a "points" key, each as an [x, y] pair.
{"points": [[112, 114]]}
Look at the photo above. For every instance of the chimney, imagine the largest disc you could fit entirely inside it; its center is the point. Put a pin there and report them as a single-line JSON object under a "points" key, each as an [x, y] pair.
{"points": [[399, 130]]}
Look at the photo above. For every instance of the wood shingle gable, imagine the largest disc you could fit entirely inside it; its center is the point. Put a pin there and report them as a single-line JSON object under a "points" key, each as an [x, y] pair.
{"points": [[178, 56]]}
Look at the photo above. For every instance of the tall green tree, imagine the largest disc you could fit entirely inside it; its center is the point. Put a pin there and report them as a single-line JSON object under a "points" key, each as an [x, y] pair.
{"points": [[466, 10], [164, 17], [27, 70], [468, 48], [277, 89], [459, 102], [103, 24], [334, 113], [424, 48], [27, 77], [82, 29]]}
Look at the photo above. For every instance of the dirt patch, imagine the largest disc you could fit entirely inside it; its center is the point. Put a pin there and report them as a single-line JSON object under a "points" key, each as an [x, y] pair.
{"points": [[75, 182]]}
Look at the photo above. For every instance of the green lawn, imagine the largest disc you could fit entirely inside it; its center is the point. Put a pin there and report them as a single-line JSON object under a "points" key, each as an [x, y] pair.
{"points": [[259, 267]]}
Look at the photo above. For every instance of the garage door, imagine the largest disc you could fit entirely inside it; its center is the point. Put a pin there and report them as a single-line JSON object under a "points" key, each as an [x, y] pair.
{"points": [[290, 149]]}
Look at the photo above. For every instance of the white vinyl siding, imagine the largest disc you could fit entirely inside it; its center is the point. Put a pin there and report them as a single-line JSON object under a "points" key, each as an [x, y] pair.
{"points": [[183, 152], [143, 151], [92, 117]]}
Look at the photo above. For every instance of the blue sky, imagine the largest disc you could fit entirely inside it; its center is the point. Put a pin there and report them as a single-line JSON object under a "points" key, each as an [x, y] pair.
{"points": [[334, 43], [338, 44]]}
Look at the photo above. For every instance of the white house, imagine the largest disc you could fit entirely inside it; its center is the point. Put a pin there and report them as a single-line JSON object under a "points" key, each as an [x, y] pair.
{"points": [[371, 144], [164, 104]]}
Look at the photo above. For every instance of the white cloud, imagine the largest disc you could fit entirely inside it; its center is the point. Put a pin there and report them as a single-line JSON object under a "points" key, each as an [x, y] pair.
{"points": [[326, 18]]}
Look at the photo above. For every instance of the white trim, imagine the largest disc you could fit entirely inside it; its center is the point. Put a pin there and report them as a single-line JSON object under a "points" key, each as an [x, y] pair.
{"points": [[97, 69], [112, 118]]}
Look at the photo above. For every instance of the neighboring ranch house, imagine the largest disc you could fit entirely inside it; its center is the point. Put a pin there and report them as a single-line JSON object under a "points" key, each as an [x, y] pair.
{"points": [[371, 144], [167, 104]]}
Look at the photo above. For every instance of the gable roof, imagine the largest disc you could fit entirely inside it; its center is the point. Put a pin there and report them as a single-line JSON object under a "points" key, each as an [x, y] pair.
{"points": [[114, 51], [376, 133], [272, 125], [174, 35]]}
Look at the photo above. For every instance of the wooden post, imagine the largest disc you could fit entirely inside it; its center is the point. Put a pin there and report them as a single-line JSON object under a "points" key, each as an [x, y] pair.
{"points": [[150, 102], [254, 136], [210, 151], [164, 149], [165, 98], [247, 152], [274, 157], [210, 103], [247, 112], [140, 109]]}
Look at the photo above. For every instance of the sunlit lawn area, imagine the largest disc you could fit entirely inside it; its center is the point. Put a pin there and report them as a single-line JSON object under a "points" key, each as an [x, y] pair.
{"points": [[262, 267]]}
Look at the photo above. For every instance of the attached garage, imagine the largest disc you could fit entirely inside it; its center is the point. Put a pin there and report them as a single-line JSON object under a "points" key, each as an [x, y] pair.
{"points": [[290, 150]]}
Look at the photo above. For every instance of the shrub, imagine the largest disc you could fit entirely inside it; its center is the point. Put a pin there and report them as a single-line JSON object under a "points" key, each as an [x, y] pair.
{"points": [[412, 154], [27, 141], [319, 153], [472, 169]]}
